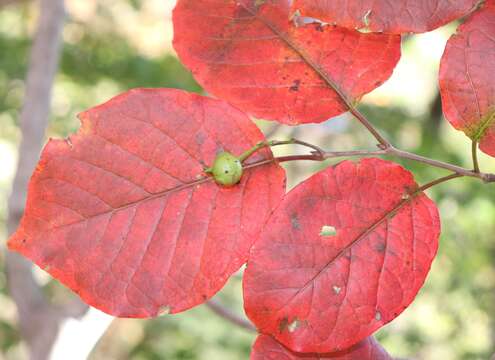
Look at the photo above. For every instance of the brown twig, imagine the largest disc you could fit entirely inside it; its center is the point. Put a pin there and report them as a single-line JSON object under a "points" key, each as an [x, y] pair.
{"points": [[321, 155], [487, 178], [227, 314]]}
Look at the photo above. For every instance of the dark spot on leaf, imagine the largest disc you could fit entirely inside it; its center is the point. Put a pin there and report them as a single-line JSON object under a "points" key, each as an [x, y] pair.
{"points": [[282, 325], [319, 27], [200, 138], [294, 220], [295, 86], [380, 247]]}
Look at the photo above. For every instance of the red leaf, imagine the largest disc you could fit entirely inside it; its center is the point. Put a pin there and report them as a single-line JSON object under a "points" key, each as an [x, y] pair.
{"points": [[267, 348], [396, 17], [119, 212], [254, 57], [467, 80], [343, 254]]}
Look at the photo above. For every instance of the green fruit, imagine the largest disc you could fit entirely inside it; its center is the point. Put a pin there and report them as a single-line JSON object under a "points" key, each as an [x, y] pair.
{"points": [[226, 169]]}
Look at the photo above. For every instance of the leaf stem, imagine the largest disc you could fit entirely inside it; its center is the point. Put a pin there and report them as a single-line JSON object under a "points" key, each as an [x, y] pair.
{"points": [[474, 152], [245, 155], [383, 143], [438, 182]]}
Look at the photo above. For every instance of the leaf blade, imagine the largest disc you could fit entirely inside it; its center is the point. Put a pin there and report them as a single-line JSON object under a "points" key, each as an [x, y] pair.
{"points": [[320, 294], [267, 348], [466, 82], [252, 57], [118, 212]]}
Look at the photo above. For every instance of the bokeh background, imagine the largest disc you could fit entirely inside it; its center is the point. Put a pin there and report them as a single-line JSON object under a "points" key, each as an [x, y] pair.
{"points": [[113, 45]]}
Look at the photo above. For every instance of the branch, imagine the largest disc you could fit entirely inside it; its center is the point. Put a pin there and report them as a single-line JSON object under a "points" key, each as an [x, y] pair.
{"points": [[225, 313], [10, 2], [321, 155], [38, 320], [488, 178]]}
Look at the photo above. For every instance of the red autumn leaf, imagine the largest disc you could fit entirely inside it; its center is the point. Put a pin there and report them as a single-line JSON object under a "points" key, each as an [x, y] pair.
{"points": [[249, 53], [396, 17], [121, 214], [267, 348], [343, 254], [467, 81]]}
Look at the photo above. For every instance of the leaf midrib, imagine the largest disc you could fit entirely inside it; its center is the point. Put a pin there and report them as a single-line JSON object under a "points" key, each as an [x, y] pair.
{"points": [[299, 51]]}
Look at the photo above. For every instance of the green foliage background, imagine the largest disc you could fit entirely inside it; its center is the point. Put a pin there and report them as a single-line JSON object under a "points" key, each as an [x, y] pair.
{"points": [[452, 318]]}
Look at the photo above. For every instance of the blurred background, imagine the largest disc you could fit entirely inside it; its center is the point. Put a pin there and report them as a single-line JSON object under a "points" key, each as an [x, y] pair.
{"points": [[113, 45]]}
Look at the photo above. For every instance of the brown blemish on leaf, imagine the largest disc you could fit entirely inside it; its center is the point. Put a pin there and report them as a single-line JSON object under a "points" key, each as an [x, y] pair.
{"points": [[294, 220], [380, 247], [200, 138], [295, 85], [283, 324]]}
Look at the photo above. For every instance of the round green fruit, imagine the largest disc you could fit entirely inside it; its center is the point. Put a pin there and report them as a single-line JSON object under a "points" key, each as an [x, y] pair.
{"points": [[226, 169]]}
